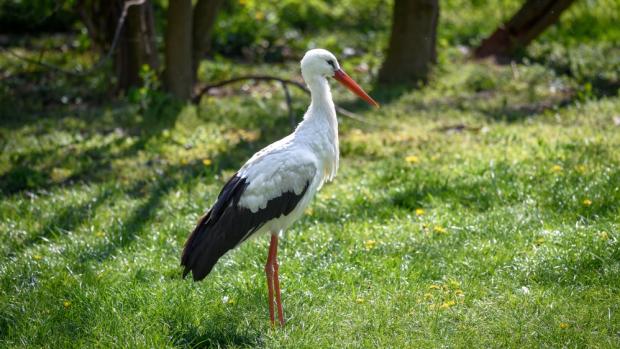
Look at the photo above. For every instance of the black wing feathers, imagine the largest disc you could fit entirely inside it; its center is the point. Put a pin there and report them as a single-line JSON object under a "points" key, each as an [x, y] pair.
{"points": [[231, 193], [227, 224]]}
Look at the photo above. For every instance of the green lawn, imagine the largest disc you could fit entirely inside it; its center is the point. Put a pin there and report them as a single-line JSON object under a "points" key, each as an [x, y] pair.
{"points": [[504, 233], [480, 211]]}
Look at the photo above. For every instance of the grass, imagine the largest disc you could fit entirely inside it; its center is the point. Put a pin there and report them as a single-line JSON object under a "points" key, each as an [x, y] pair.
{"points": [[480, 211], [477, 237]]}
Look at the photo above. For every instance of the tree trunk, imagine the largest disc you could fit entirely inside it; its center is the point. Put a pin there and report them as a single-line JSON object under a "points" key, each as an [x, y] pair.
{"points": [[530, 21], [412, 47], [187, 39], [205, 13], [178, 74], [136, 44]]}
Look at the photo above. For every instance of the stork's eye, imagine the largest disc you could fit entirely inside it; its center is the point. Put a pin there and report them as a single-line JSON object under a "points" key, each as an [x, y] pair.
{"points": [[331, 62]]}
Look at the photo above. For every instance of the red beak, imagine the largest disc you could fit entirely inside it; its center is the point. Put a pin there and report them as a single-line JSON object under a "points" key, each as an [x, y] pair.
{"points": [[346, 80]]}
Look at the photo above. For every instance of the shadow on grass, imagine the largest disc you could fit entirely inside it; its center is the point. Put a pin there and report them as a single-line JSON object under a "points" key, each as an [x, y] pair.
{"points": [[475, 191], [486, 189], [97, 169], [92, 162], [33, 170], [471, 195], [518, 112], [219, 325], [129, 229], [66, 220], [214, 336], [125, 233], [136, 224], [474, 101], [600, 86]]}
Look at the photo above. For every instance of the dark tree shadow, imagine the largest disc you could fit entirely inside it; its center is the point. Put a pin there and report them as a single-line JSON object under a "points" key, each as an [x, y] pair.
{"points": [[94, 166], [28, 174], [601, 86], [170, 178], [222, 327], [66, 220], [214, 336], [129, 230], [518, 112], [32, 171]]}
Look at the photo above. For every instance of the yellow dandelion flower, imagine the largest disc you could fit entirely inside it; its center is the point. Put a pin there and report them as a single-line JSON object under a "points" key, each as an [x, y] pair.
{"points": [[419, 211], [580, 169], [100, 234], [447, 304], [359, 300], [259, 16], [587, 202], [206, 162], [369, 244], [603, 235], [412, 159], [556, 168], [564, 325], [439, 229], [66, 303], [37, 257], [434, 287]]}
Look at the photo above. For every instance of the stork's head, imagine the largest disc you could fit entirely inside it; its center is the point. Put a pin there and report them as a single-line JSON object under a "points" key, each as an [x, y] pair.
{"points": [[322, 63]]}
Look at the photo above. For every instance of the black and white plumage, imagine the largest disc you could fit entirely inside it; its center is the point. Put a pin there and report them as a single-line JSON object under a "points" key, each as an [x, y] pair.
{"points": [[228, 224], [272, 189]]}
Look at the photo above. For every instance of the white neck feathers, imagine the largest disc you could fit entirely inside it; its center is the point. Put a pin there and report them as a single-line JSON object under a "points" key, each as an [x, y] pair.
{"points": [[319, 129]]}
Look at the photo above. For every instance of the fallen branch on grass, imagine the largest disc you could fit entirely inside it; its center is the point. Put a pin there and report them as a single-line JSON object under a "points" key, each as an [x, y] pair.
{"points": [[284, 82]]}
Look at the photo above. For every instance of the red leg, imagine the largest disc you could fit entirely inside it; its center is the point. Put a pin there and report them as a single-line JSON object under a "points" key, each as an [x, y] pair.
{"points": [[269, 271], [276, 280]]}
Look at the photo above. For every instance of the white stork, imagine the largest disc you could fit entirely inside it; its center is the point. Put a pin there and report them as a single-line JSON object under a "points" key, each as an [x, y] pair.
{"points": [[272, 189]]}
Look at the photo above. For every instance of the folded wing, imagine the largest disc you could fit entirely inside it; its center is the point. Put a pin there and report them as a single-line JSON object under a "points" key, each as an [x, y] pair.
{"points": [[247, 202]]}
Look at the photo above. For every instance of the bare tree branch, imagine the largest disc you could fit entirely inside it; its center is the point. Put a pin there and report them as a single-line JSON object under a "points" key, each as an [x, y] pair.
{"points": [[208, 87], [344, 112]]}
